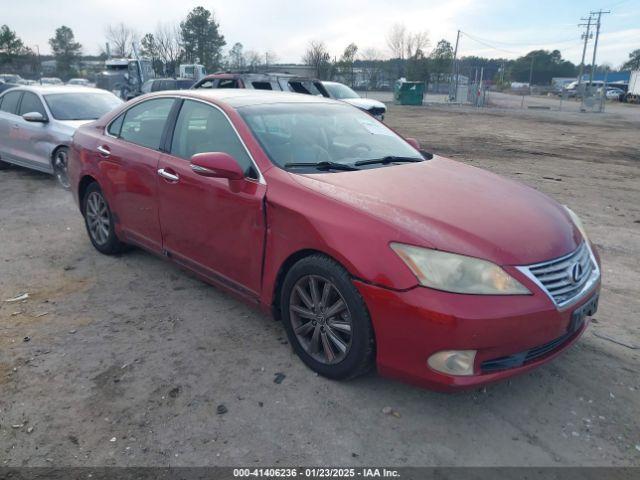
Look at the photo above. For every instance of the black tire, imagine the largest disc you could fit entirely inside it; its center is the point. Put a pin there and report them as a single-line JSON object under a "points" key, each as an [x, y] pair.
{"points": [[360, 355], [109, 243], [59, 163]]}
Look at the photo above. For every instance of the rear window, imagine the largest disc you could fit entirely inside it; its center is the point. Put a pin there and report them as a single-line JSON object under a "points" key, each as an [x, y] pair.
{"points": [[10, 102]]}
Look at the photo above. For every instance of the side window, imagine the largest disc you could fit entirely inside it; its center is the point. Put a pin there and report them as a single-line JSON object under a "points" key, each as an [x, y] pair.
{"points": [[208, 83], [144, 123], [10, 102], [31, 103], [202, 128], [116, 126], [228, 83]]}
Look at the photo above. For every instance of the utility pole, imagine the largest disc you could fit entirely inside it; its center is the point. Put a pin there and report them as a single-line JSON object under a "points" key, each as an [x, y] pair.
{"points": [[599, 13], [453, 95], [585, 36]]}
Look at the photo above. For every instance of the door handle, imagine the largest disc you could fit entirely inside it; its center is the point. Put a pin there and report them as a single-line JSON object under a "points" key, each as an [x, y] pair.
{"points": [[167, 175], [15, 125], [104, 150]]}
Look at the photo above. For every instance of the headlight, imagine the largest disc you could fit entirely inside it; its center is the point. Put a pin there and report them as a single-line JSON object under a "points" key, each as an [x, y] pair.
{"points": [[577, 222], [457, 273]]}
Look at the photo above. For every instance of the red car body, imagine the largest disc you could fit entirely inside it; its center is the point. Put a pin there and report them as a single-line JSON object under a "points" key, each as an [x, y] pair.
{"points": [[351, 217]]}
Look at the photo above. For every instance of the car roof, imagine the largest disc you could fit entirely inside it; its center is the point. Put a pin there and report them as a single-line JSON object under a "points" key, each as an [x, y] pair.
{"points": [[241, 97], [44, 89]]}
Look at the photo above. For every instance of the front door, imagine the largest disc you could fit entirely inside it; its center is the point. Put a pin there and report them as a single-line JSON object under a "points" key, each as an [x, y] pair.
{"points": [[213, 226], [9, 124], [35, 147]]}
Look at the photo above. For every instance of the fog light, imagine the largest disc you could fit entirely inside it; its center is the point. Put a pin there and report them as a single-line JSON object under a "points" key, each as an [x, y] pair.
{"points": [[453, 362]]}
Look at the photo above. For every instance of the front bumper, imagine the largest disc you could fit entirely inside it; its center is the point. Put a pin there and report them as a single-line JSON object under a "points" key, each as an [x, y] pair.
{"points": [[412, 325]]}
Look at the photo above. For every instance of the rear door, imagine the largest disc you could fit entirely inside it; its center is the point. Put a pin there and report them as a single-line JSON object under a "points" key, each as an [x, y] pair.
{"points": [[214, 226], [9, 124], [130, 153]]}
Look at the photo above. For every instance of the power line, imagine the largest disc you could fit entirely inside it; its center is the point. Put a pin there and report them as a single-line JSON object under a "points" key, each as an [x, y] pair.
{"points": [[512, 52]]}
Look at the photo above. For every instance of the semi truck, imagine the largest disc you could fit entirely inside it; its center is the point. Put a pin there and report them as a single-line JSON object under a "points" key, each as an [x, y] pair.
{"points": [[125, 76]]}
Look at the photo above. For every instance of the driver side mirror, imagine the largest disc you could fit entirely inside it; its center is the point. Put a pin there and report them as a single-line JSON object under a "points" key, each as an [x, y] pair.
{"points": [[216, 165], [414, 143], [35, 117]]}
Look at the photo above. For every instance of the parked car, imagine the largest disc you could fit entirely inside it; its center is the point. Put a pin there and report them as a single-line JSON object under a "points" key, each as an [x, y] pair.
{"points": [[340, 91], [158, 84], [7, 86], [80, 82], [10, 78], [264, 81], [37, 123], [367, 249], [614, 93], [51, 81]]}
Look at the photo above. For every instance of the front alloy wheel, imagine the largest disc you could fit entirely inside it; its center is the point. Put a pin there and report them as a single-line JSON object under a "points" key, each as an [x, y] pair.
{"points": [[321, 319], [60, 162], [326, 319]]}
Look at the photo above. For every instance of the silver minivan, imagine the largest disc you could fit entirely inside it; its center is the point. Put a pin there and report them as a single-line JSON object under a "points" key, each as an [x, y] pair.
{"points": [[37, 123]]}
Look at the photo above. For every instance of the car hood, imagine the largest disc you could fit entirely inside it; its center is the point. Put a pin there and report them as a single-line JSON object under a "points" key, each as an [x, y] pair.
{"points": [[73, 124], [455, 207], [365, 103]]}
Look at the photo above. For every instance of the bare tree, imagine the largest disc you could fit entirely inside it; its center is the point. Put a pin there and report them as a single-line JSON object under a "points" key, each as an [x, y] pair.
{"points": [[121, 38], [372, 65], [253, 60], [397, 40], [318, 57], [416, 42], [168, 45], [270, 58], [370, 53]]}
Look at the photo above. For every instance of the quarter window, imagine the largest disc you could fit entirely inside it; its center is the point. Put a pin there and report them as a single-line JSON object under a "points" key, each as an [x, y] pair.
{"points": [[10, 102], [144, 123], [116, 125], [31, 103], [202, 128]]}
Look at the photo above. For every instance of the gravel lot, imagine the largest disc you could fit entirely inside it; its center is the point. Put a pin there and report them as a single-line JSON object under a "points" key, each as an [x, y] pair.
{"points": [[126, 360]]}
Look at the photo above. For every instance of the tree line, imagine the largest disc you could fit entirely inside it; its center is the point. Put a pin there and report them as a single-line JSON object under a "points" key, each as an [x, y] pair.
{"points": [[411, 57], [198, 39]]}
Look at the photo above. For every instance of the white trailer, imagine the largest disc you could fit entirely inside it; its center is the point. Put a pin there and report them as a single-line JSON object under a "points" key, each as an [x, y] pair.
{"points": [[633, 93]]}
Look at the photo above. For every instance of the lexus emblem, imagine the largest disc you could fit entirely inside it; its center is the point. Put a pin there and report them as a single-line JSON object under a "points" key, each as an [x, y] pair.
{"points": [[576, 273]]}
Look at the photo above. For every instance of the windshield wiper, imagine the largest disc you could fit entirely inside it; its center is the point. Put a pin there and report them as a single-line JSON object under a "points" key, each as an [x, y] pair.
{"points": [[322, 165], [387, 160]]}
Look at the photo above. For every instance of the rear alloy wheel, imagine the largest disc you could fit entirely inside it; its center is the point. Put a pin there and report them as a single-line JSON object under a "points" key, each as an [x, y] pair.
{"points": [[99, 222], [60, 162], [326, 319]]}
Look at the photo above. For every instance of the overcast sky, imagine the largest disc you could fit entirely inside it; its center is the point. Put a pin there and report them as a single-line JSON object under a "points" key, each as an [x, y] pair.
{"points": [[508, 28]]}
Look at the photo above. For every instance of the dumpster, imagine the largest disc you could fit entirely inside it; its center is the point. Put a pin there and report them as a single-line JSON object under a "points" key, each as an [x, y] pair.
{"points": [[408, 93]]}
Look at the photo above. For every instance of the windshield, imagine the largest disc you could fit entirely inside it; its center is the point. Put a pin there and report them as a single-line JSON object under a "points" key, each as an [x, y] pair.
{"points": [[307, 132], [80, 106], [340, 91]]}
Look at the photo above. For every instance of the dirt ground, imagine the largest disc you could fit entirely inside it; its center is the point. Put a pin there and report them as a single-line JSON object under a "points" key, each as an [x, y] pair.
{"points": [[126, 360]]}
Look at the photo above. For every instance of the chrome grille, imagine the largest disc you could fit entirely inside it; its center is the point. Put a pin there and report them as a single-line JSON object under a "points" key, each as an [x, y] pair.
{"points": [[566, 278]]}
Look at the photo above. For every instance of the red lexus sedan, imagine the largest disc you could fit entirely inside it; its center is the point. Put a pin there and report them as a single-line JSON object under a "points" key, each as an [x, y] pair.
{"points": [[370, 251]]}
